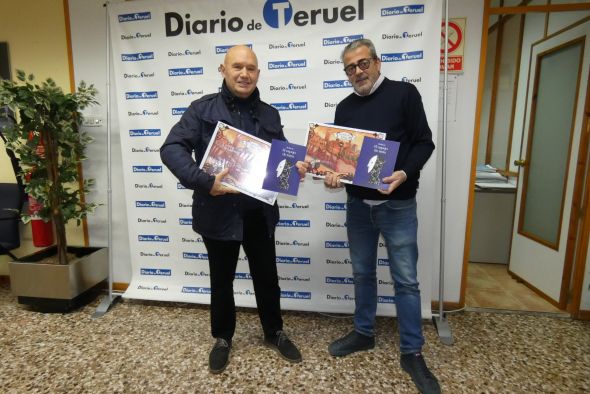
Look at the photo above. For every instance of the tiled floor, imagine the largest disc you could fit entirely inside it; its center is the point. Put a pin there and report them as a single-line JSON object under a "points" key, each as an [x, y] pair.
{"points": [[490, 286], [163, 347]]}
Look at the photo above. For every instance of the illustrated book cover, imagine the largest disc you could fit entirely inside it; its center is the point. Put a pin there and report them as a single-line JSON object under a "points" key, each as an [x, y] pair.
{"points": [[246, 157], [376, 161], [335, 149], [281, 173]]}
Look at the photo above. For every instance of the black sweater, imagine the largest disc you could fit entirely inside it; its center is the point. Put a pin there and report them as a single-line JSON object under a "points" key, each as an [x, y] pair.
{"points": [[396, 109]]}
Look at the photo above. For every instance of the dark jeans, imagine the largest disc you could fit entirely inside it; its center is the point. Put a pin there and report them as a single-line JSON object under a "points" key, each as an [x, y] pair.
{"points": [[259, 247]]}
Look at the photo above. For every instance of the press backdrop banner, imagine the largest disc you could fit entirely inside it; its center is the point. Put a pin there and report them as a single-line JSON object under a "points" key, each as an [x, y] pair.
{"points": [[167, 54]]}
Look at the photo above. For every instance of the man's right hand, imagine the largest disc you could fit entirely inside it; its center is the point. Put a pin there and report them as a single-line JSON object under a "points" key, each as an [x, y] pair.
{"points": [[332, 180], [218, 189]]}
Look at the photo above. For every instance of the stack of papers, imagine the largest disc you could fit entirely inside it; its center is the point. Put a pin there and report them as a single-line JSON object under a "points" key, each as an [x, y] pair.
{"points": [[488, 174], [487, 177]]}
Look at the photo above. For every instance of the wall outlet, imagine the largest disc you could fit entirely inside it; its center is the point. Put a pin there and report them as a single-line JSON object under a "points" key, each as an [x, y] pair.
{"points": [[92, 121]]}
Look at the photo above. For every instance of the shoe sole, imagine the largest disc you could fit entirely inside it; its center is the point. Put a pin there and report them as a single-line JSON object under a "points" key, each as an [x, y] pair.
{"points": [[346, 353], [276, 349], [218, 371]]}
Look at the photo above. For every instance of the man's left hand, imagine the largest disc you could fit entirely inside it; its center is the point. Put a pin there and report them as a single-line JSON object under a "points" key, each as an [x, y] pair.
{"points": [[394, 180], [302, 167]]}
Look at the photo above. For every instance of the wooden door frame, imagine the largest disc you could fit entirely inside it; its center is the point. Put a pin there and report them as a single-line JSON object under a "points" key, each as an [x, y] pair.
{"points": [[583, 242]]}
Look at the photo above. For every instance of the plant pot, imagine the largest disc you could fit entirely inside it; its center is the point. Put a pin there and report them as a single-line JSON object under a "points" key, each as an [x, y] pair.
{"points": [[58, 288]]}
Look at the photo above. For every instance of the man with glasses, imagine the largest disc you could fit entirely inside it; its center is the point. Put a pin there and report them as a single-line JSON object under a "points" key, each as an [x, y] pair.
{"points": [[380, 104]]}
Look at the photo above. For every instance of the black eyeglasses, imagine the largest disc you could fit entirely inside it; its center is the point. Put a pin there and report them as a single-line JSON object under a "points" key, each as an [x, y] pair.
{"points": [[363, 64]]}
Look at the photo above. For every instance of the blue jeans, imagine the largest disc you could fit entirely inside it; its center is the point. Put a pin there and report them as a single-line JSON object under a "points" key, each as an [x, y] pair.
{"points": [[396, 220]]}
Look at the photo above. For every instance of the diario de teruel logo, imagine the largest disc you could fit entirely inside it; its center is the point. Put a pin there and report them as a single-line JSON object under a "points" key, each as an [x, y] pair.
{"points": [[185, 221], [137, 16], [294, 223], [179, 110], [402, 36], [182, 72], [342, 40], [145, 132], [135, 36], [224, 48], [198, 274], [153, 238], [286, 45], [152, 220], [344, 297], [141, 95], [339, 280], [186, 52], [154, 254], [283, 64], [403, 10], [195, 256], [293, 106], [338, 84], [243, 275], [335, 206], [155, 271], [336, 244], [294, 206], [276, 14], [149, 185], [402, 56], [150, 204], [338, 262], [411, 80], [145, 112], [147, 149], [386, 299], [290, 86], [137, 57], [140, 75], [292, 243], [196, 290], [293, 260], [147, 168], [300, 295], [188, 92]]}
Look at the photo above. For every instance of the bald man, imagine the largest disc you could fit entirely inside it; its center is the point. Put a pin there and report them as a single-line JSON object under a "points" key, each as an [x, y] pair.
{"points": [[224, 218]]}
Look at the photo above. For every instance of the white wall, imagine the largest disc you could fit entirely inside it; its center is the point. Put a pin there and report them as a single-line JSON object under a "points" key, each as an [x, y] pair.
{"points": [[459, 149]]}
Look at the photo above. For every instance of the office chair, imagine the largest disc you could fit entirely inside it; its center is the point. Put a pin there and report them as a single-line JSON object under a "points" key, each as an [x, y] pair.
{"points": [[12, 196]]}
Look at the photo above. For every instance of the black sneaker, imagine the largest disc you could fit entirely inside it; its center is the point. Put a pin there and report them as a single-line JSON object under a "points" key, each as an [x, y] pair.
{"points": [[350, 343], [425, 381], [219, 356], [283, 345]]}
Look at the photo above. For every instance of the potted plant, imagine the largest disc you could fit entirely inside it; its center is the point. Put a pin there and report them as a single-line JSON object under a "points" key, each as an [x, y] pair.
{"points": [[47, 138]]}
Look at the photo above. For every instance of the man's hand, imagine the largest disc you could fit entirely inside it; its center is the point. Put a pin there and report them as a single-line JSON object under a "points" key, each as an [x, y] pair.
{"points": [[302, 167], [218, 189], [394, 180], [332, 180]]}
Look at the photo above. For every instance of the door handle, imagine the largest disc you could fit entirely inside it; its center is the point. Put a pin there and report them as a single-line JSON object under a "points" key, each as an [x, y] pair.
{"points": [[520, 163]]}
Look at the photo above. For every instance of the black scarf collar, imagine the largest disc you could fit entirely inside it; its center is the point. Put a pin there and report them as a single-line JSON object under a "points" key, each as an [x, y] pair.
{"points": [[233, 102]]}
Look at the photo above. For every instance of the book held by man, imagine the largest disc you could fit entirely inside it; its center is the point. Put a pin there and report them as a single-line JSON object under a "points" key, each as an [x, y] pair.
{"points": [[336, 149], [281, 173], [245, 155]]}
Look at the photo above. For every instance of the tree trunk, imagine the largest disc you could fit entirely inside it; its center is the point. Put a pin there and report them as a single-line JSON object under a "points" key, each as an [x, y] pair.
{"points": [[52, 160]]}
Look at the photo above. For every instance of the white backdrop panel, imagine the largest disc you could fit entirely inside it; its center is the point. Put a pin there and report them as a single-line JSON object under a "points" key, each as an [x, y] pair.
{"points": [[166, 54]]}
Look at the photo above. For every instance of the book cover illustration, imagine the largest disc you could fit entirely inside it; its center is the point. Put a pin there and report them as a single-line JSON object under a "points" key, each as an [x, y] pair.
{"points": [[245, 155], [281, 173], [376, 161], [335, 149]]}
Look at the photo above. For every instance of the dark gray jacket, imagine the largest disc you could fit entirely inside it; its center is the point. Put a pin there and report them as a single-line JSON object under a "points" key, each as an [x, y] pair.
{"points": [[216, 217]]}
